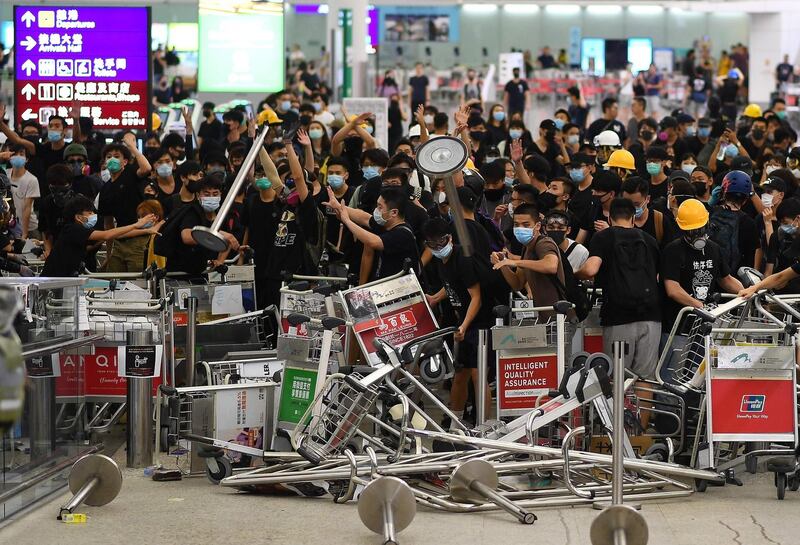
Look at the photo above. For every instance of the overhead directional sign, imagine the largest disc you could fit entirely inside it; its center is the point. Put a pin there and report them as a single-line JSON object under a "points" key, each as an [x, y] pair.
{"points": [[98, 56]]}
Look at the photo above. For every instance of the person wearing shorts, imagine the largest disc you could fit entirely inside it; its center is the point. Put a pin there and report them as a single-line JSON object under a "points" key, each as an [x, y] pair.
{"points": [[466, 304]]}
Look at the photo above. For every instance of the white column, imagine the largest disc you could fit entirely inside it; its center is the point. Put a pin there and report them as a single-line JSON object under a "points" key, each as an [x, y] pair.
{"points": [[358, 54], [772, 35]]}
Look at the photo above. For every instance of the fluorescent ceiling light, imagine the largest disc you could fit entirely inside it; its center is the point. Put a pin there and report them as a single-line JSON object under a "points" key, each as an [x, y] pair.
{"points": [[604, 10], [645, 10], [480, 8], [521, 8], [562, 9], [323, 9]]}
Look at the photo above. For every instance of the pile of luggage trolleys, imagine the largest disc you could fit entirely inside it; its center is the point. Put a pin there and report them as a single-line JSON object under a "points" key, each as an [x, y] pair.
{"points": [[374, 433]]}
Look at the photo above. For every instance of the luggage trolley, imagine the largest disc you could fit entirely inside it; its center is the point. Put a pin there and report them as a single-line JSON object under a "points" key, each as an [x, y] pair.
{"points": [[222, 426]]}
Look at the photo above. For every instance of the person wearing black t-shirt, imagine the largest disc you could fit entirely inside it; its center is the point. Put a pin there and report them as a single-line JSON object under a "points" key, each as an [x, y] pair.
{"points": [[339, 240], [692, 267], [190, 257], [295, 228], [262, 212], [51, 210], [466, 304], [516, 95], [211, 128], [118, 200], [70, 248], [420, 93], [393, 240], [608, 122]]}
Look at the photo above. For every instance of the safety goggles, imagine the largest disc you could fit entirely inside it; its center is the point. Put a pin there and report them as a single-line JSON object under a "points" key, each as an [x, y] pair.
{"points": [[437, 244]]}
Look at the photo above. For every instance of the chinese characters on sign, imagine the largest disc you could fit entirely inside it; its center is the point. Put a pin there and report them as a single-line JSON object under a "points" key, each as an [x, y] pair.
{"points": [[98, 56]]}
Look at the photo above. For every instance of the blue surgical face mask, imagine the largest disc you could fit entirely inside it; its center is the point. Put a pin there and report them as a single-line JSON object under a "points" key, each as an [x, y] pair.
{"points": [[691, 131], [105, 175], [499, 115], [781, 114], [559, 123], [688, 168], [515, 134], [54, 136], [704, 132], [731, 150], [788, 229], [317, 106], [639, 212], [209, 204], [147, 225], [509, 181], [653, 169], [443, 253], [523, 235], [113, 165], [262, 184], [370, 172], [577, 175], [90, 222], [164, 170], [17, 161], [573, 139], [378, 217], [315, 134], [335, 181], [285, 105], [369, 129]]}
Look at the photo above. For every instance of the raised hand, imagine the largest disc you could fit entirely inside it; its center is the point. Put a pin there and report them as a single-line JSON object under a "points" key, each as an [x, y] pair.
{"points": [[303, 138]]}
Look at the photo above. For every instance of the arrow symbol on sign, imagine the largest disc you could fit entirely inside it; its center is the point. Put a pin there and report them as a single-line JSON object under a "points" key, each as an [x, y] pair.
{"points": [[29, 43], [28, 67], [28, 114], [28, 91], [28, 18]]}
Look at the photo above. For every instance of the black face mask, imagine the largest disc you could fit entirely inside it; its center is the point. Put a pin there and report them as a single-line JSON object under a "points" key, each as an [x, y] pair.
{"points": [[646, 135], [494, 195], [32, 138], [700, 188], [758, 134], [557, 236], [207, 113], [546, 201], [305, 119], [476, 135]]}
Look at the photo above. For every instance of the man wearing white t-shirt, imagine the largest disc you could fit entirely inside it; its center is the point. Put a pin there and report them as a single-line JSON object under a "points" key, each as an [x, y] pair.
{"points": [[24, 189]]}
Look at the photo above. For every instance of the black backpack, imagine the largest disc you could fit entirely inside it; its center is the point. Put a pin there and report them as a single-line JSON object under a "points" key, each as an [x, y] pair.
{"points": [[723, 228], [166, 245], [572, 290], [631, 282]]}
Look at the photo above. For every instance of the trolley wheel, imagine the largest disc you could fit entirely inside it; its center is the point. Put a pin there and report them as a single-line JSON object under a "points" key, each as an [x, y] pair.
{"points": [[430, 375], [164, 439], [780, 483], [700, 485], [751, 464], [658, 452], [794, 483], [218, 469]]}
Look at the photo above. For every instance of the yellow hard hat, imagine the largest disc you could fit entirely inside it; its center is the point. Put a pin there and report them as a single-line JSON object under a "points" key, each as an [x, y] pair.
{"points": [[156, 122], [621, 158], [692, 214], [752, 110], [268, 116]]}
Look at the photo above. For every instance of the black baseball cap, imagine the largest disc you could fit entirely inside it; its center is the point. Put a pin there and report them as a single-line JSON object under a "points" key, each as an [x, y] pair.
{"points": [[773, 182], [742, 163], [684, 118], [547, 124]]}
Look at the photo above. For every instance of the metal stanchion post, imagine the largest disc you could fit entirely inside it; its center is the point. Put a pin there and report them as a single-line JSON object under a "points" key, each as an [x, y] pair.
{"points": [[619, 524], [191, 339], [617, 452], [42, 407], [483, 374], [140, 409]]}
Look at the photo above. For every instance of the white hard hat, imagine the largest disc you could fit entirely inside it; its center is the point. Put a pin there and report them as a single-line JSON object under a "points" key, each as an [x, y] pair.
{"points": [[414, 131], [607, 138]]}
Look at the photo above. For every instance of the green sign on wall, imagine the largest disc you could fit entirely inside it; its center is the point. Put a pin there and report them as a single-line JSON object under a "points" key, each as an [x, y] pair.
{"points": [[240, 52]]}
